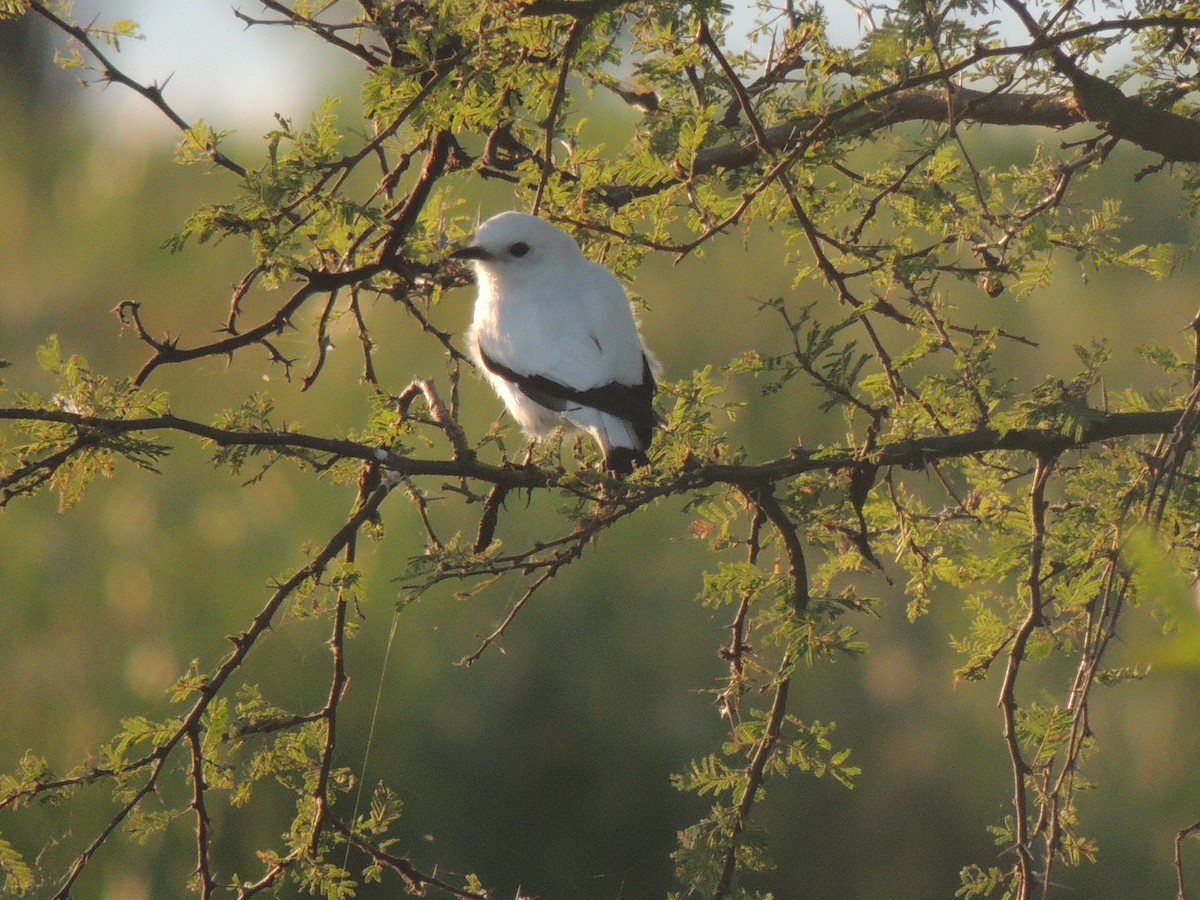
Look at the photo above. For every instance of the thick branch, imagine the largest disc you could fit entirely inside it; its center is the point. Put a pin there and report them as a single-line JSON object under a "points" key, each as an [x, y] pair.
{"points": [[942, 104], [919, 452], [1175, 137], [914, 454]]}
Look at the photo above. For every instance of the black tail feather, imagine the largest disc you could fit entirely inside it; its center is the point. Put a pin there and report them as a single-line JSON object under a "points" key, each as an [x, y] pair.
{"points": [[623, 460]]}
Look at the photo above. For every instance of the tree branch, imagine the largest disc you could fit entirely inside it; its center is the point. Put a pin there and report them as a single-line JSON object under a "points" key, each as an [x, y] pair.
{"points": [[327, 33], [944, 104], [754, 774], [1180, 837], [111, 73], [1034, 618], [914, 453], [414, 878]]}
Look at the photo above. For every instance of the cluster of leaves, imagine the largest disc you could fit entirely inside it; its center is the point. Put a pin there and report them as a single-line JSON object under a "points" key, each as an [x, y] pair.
{"points": [[905, 227], [57, 451]]}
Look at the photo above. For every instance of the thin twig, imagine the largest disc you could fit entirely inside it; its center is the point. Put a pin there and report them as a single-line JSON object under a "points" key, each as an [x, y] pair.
{"points": [[1180, 837], [574, 36], [153, 93], [203, 823], [1034, 618], [754, 775]]}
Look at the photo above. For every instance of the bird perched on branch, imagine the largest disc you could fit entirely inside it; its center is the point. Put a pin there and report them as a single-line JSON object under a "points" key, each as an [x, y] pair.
{"points": [[555, 336]]}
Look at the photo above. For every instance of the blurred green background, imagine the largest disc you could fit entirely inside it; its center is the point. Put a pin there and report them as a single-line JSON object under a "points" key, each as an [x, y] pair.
{"points": [[545, 766]]}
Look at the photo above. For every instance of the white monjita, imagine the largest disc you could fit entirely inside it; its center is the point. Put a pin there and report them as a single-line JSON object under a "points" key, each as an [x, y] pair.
{"points": [[555, 336]]}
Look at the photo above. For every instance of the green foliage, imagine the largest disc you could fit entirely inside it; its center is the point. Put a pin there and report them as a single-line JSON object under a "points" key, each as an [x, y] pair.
{"points": [[67, 451], [1033, 515], [18, 877], [979, 882]]}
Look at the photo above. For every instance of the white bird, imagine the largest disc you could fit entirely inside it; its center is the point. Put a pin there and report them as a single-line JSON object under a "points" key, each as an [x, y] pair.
{"points": [[555, 336]]}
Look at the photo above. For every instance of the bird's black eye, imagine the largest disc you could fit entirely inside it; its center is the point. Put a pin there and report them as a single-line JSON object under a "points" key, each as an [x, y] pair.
{"points": [[520, 248]]}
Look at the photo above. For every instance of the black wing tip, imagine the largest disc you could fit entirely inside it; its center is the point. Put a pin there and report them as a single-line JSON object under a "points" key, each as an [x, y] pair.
{"points": [[623, 460]]}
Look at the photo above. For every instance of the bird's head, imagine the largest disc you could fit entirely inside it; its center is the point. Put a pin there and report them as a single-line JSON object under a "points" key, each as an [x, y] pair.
{"points": [[513, 248]]}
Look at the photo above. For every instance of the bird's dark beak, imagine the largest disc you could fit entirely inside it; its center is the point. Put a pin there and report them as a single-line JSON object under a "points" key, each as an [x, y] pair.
{"points": [[472, 251]]}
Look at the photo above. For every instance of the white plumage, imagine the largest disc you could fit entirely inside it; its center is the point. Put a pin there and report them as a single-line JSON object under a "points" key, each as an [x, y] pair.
{"points": [[555, 336]]}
